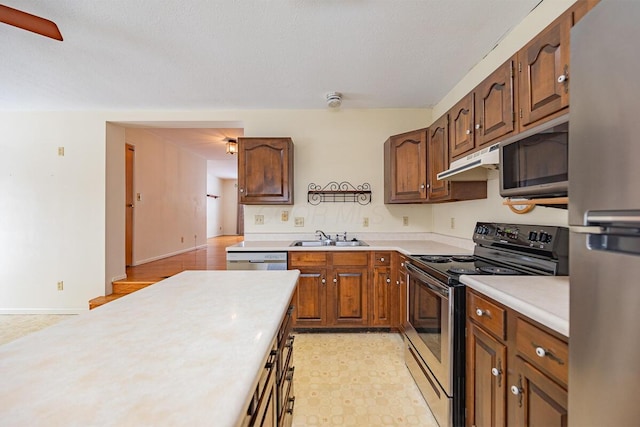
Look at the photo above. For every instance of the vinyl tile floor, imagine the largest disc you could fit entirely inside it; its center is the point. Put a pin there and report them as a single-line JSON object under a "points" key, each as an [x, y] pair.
{"points": [[355, 379]]}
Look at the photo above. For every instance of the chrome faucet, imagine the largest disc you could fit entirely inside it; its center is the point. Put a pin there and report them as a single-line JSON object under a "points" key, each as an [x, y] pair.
{"points": [[322, 234]]}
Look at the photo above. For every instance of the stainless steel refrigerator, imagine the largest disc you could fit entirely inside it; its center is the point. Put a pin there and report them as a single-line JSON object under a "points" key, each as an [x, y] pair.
{"points": [[604, 215]]}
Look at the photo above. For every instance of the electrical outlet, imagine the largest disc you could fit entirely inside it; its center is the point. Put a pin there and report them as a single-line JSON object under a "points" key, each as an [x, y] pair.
{"points": [[182, 239], [365, 221], [405, 221], [61, 151], [60, 285], [285, 216], [139, 197], [259, 219], [453, 223], [299, 221]]}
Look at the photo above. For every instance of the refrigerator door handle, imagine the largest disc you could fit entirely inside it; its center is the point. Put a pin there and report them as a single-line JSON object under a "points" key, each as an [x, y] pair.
{"points": [[626, 218]]}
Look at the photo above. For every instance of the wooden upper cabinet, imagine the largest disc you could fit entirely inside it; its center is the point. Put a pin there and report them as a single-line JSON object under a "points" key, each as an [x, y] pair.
{"points": [[495, 105], [405, 164], [265, 171], [462, 135], [438, 158], [543, 70]]}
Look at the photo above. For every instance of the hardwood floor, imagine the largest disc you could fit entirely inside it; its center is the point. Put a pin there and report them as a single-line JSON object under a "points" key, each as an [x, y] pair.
{"points": [[213, 257]]}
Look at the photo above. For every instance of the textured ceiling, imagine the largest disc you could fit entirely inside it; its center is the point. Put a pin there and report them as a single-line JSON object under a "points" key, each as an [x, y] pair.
{"points": [[246, 54]]}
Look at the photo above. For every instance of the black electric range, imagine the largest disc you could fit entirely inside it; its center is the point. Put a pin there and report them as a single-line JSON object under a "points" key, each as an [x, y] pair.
{"points": [[504, 249], [434, 328]]}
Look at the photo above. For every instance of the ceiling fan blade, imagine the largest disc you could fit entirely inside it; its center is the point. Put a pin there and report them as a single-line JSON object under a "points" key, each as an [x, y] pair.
{"points": [[29, 22]]}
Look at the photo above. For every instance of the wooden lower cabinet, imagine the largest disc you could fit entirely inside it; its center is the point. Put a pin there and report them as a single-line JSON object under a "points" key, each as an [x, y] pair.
{"points": [[342, 289], [272, 401], [486, 379], [382, 290], [332, 290], [516, 369]]}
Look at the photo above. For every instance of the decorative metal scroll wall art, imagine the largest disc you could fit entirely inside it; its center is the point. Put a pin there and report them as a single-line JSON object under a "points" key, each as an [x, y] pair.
{"points": [[336, 192]]}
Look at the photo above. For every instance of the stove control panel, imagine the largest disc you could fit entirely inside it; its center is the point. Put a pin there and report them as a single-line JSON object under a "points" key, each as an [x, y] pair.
{"points": [[540, 237]]}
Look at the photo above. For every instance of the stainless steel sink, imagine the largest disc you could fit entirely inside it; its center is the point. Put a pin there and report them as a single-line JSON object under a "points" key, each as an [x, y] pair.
{"points": [[351, 243], [316, 243], [307, 243]]}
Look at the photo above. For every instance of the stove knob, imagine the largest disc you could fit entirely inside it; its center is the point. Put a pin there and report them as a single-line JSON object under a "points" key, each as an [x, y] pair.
{"points": [[533, 236]]}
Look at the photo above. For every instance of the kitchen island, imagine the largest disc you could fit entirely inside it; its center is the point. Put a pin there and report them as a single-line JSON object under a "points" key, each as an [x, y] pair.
{"points": [[187, 351]]}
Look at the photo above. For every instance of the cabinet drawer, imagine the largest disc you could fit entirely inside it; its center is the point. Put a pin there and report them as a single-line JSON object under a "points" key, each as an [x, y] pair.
{"points": [[543, 350], [487, 314], [350, 258], [382, 258], [305, 259]]}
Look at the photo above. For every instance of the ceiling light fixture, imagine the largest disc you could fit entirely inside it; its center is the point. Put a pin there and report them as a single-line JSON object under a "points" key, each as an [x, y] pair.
{"points": [[232, 146], [334, 99]]}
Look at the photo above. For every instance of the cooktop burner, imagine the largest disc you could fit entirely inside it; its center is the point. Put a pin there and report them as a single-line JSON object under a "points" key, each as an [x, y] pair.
{"points": [[435, 258], [463, 258], [463, 270], [490, 269]]}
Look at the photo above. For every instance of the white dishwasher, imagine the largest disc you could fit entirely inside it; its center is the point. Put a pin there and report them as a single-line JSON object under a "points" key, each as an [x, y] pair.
{"points": [[244, 260]]}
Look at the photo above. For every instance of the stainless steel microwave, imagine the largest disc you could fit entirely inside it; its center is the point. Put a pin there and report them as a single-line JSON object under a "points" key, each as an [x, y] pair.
{"points": [[534, 163]]}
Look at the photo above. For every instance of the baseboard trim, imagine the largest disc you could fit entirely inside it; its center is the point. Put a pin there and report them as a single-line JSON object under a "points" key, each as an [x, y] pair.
{"points": [[156, 258]]}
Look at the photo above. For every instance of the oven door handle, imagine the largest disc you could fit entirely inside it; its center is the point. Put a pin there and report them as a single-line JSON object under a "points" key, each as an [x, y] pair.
{"points": [[429, 281]]}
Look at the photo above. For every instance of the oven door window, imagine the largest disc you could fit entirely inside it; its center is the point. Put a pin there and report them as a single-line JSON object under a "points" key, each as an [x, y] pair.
{"points": [[425, 315]]}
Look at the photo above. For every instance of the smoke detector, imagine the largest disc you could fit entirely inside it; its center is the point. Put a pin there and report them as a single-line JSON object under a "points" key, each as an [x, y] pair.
{"points": [[334, 99]]}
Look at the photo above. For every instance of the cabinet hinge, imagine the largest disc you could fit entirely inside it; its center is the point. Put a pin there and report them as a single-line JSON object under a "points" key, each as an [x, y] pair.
{"points": [[521, 113], [511, 71], [519, 67]]}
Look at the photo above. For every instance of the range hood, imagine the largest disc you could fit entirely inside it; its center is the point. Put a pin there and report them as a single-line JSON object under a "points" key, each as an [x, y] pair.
{"points": [[473, 167]]}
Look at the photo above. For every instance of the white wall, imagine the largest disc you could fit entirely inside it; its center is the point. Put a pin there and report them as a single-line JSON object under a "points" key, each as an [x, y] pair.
{"points": [[115, 202], [52, 211], [170, 216], [338, 146], [215, 212], [229, 206], [491, 209]]}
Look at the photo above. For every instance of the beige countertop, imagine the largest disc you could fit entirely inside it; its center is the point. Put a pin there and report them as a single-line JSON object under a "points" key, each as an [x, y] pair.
{"points": [[185, 351], [544, 299], [406, 247]]}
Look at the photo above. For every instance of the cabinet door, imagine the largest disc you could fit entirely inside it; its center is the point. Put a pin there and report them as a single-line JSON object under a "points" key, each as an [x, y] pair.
{"points": [[494, 105], [535, 400], [310, 298], [381, 296], [438, 159], [265, 170], [486, 379], [461, 137], [347, 296], [543, 68], [406, 167]]}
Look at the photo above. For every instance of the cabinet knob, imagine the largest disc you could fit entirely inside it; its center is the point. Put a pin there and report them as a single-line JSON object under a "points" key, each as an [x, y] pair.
{"points": [[562, 78], [381, 259], [397, 282], [388, 280], [422, 187], [242, 190], [480, 312], [402, 264], [478, 126], [468, 132], [495, 372], [335, 280], [324, 281], [516, 390], [541, 352]]}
